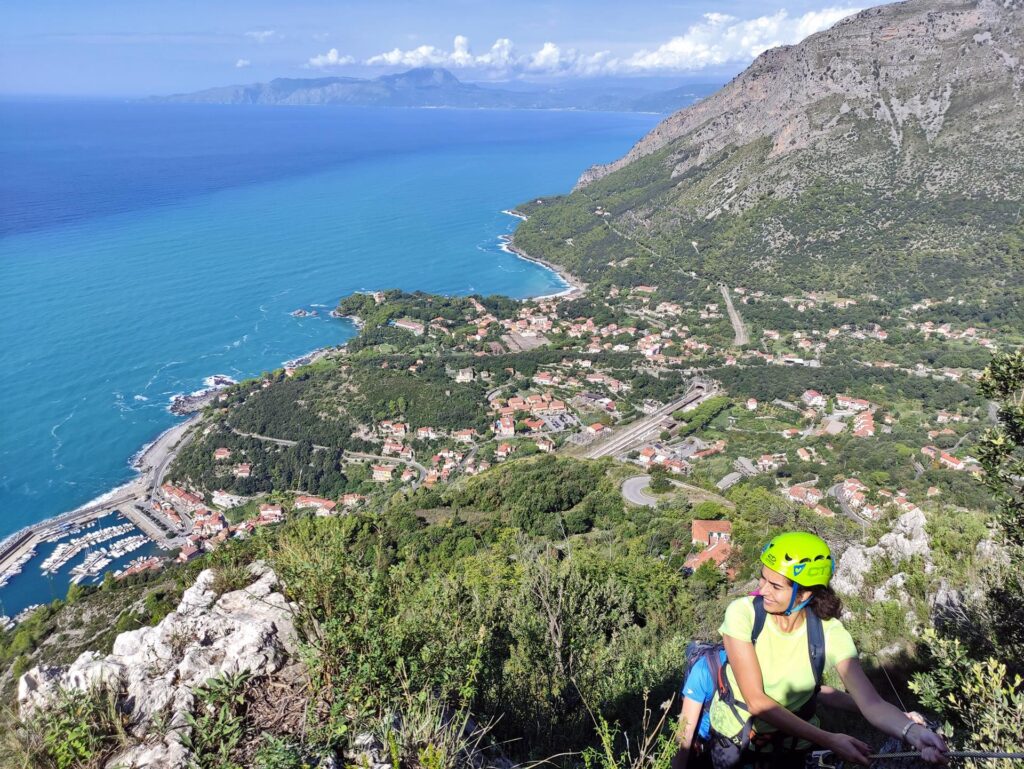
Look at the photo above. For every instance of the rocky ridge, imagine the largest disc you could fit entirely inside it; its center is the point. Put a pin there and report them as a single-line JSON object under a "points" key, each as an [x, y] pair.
{"points": [[919, 77], [884, 155]]}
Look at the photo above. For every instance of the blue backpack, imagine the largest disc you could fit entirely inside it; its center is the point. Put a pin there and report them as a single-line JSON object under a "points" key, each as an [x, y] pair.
{"points": [[711, 653]]}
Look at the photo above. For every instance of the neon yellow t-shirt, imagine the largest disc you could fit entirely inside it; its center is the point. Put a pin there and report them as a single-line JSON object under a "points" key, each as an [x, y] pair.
{"points": [[785, 663]]}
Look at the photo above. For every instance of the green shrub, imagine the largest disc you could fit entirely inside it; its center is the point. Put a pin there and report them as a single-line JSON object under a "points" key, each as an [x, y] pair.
{"points": [[79, 730], [219, 726], [981, 703]]}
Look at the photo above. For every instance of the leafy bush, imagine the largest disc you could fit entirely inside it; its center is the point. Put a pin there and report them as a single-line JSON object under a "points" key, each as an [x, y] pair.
{"points": [[982, 704], [219, 726]]}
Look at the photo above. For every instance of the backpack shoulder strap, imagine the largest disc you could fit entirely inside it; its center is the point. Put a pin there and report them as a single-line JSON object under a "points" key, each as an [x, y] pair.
{"points": [[815, 645], [760, 615]]}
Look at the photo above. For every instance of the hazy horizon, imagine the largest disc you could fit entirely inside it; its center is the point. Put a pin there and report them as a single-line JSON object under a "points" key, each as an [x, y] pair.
{"points": [[117, 50]]}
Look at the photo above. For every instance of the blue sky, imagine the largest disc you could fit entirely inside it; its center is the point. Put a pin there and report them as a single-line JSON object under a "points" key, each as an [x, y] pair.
{"points": [[92, 48]]}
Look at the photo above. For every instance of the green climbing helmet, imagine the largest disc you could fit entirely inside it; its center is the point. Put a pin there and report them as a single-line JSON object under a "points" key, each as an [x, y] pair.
{"points": [[800, 556]]}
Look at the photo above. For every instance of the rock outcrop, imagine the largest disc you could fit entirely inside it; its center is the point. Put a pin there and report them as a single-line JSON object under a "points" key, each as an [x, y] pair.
{"points": [[907, 539], [154, 670]]}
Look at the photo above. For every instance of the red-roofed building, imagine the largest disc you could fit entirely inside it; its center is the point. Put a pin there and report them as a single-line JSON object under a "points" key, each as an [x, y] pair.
{"points": [[222, 453], [953, 463], [813, 398], [505, 427], [855, 404], [715, 536], [504, 451], [807, 495], [321, 505], [382, 473], [188, 500]]}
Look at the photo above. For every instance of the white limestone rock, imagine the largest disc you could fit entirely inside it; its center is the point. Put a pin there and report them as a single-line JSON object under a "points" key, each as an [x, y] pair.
{"points": [[153, 670], [907, 539]]}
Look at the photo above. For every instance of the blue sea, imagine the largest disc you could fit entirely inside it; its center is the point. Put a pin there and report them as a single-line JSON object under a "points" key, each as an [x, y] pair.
{"points": [[145, 247]]}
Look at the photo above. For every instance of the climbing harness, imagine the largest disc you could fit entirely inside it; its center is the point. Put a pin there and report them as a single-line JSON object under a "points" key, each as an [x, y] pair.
{"points": [[826, 759]]}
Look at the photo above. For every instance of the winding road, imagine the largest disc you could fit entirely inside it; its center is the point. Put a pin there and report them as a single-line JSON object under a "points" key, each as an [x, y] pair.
{"points": [[348, 454], [634, 491]]}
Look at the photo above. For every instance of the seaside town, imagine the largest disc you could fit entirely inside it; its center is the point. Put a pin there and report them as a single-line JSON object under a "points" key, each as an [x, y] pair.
{"points": [[657, 384], [709, 451]]}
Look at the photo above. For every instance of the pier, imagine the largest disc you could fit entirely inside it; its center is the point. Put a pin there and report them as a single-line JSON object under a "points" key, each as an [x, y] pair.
{"points": [[131, 501]]}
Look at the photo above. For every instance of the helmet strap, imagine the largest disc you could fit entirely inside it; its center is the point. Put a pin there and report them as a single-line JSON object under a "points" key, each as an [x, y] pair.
{"points": [[794, 607]]}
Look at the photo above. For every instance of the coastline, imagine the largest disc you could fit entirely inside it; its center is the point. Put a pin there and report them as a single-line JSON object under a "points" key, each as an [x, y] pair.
{"points": [[575, 287], [150, 462]]}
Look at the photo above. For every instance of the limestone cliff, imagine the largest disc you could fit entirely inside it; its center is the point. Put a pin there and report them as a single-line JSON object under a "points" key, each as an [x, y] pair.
{"points": [[948, 72]]}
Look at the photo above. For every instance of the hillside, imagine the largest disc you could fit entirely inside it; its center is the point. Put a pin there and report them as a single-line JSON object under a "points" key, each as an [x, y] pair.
{"points": [[484, 531], [883, 155]]}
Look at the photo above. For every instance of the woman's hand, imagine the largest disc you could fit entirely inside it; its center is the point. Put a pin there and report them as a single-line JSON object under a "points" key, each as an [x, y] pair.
{"points": [[850, 749], [932, 746]]}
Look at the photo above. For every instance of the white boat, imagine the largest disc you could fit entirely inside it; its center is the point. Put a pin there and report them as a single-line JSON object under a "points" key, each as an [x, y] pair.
{"points": [[70, 549]]}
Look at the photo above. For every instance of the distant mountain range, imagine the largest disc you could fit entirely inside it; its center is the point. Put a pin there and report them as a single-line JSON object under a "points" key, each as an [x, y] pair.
{"points": [[433, 87]]}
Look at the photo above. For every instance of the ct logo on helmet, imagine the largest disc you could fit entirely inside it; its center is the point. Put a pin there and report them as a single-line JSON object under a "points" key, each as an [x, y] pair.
{"points": [[769, 558]]}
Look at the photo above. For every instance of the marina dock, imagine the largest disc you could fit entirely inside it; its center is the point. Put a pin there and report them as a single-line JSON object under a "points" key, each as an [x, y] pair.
{"points": [[131, 501]]}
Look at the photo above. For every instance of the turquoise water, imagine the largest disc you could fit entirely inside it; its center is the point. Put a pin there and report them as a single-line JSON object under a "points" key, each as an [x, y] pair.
{"points": [[145, 248]]}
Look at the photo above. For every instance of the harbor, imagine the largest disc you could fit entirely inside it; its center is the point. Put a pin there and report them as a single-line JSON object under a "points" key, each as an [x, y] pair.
{"points": [[125, 518]]}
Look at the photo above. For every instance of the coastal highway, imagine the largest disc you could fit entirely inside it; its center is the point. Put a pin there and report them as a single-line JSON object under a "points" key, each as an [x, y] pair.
{"points": [[623, 439], [742, 337]]}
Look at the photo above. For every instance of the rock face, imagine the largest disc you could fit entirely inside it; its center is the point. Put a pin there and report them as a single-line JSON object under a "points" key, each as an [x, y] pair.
{"points": [[155, 669], [907, 539], [899, 71]]}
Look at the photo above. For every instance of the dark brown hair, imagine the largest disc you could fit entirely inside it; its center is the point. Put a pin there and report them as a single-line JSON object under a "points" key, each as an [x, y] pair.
{"points": [[825, 602]]}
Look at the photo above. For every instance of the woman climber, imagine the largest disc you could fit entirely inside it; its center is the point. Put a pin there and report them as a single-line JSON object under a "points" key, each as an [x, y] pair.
{"points": [[778, 644]]}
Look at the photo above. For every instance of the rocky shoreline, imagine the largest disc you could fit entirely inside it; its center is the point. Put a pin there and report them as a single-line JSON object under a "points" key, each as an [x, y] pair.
{"points": [[576, 287]]}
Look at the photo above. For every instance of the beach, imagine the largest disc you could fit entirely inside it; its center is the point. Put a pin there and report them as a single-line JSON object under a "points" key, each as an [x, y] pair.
{"points": [[575, 286], [129, 499]]}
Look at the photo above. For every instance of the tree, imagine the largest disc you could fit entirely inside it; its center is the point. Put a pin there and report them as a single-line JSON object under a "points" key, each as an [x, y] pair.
{"points": [[1001, 453], [659, 481], [982, 696]]}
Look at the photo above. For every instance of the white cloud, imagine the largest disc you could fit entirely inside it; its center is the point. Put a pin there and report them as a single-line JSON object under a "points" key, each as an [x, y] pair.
{"points": [[722, 39], [242, 63], [330, 59], [717, 40], [261, 35]]}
